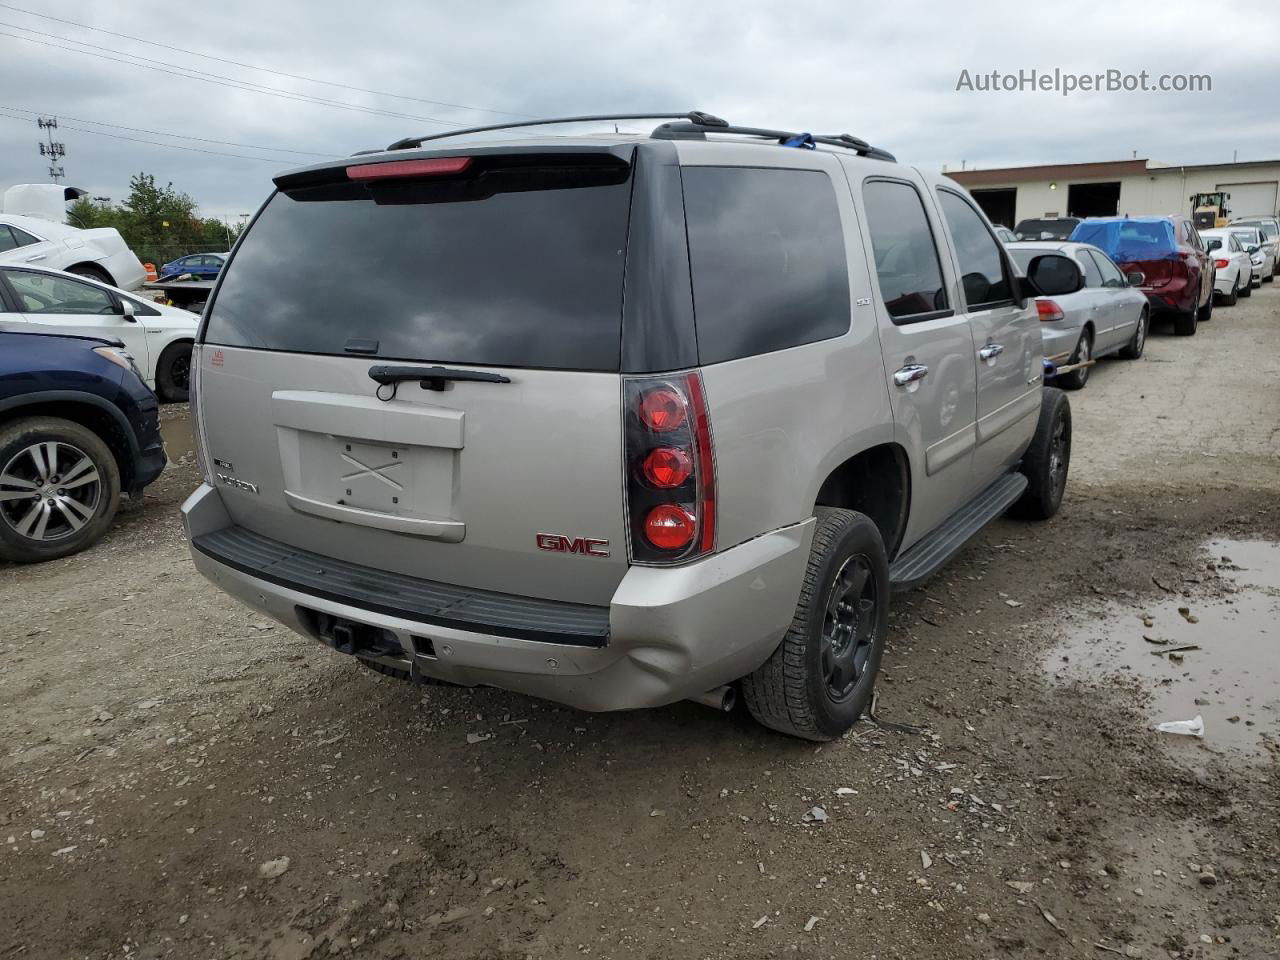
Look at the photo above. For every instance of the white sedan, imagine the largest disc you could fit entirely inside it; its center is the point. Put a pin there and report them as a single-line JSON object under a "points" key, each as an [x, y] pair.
{"points": [[100, 254], [158, 338], [1255, 244], [1233, 272]]}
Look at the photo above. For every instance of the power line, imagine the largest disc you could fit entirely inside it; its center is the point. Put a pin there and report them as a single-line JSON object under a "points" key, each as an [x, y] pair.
{"points": [[244, 85], [154, 143], [162, 133], [250, 66]]}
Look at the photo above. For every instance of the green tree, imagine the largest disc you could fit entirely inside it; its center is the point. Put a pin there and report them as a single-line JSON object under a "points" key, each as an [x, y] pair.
{"points": [[159, 223]]}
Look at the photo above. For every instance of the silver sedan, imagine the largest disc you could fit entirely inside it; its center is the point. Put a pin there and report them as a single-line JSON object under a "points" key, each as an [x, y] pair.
{"points": [[1107, 315]]}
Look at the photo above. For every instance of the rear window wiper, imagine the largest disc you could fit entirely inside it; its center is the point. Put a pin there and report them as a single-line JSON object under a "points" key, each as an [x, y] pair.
{"points": [[429, 378]]}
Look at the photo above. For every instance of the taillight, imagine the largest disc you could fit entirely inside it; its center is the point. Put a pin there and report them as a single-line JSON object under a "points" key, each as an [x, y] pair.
{"points": [[667, 467], [1220, 264], [669, 526], [1049, 311], [671, 483], [662, 408]]}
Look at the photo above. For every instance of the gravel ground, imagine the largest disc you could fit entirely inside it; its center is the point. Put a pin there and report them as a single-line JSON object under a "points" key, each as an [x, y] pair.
{"points": [[179, 778]]}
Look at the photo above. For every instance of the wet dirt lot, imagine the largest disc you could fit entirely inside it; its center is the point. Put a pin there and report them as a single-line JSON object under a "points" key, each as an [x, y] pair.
{"points": [[179, 778]]}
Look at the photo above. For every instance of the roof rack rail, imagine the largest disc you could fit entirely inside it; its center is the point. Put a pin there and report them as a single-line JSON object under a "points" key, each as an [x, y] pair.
{"points": [[692, 129], [704, 120]]}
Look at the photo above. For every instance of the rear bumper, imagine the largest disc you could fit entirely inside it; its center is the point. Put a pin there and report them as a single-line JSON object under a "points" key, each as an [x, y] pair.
{"points": [[1178, 295], [1059, 341], [672, 633]]}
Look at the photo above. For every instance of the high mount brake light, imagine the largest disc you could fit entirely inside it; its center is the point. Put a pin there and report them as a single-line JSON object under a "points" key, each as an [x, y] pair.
{"points": [[428, 167], [670, 469], [1049, 311]]}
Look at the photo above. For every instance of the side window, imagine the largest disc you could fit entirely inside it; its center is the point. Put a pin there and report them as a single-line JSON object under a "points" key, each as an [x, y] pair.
{"points": [[40, 293], [982, 268], [7, 239], [1092, 275], [23, 238], [1235, 244], [766, 254], [1111, 275], [905, 252]]}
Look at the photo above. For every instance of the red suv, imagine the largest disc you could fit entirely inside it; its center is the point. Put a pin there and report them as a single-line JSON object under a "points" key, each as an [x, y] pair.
{"points": [[1177, 273]]}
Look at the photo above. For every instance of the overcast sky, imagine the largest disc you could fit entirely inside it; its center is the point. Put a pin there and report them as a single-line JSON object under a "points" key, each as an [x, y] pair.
{"points": [[887, 72]]}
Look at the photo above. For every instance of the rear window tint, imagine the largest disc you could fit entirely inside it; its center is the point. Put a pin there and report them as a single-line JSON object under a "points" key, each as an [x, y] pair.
{"points": [[907, 265], [518, 266], [767, 256]]}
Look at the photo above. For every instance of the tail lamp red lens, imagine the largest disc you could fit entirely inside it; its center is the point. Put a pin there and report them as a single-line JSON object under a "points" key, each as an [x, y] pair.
{"points": [[426, 167], [671, 481], [669, 526], [1220, 264], [1049, 311], [663, 409], [667, 467]]}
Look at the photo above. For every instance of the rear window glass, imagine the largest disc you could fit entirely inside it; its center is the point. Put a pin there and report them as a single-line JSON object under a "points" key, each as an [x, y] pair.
{"points": [[1058, 229], [1126, 241], [515, 265], [767, 257]]}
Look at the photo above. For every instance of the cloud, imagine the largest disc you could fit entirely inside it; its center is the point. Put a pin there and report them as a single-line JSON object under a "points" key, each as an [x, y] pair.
{"points": [[885, 72]]}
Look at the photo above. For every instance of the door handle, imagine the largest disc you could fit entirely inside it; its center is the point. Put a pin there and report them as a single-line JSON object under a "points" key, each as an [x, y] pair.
{"points": [[991, 351], [34, 257], [911, 373]]}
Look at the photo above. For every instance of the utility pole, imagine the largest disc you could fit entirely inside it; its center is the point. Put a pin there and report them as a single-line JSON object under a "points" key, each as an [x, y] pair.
{"points": [[53, 150]]}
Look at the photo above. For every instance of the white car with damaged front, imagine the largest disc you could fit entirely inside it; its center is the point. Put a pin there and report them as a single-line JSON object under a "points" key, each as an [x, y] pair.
{"points": [[158, 337], [100, 254]]}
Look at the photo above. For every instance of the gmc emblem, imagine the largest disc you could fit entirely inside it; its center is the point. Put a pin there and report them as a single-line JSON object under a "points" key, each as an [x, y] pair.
{"points": [[557, 543]]}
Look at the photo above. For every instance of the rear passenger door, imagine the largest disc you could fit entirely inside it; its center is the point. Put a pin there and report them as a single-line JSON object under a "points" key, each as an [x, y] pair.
{"points": [[927, 347], [1117, 304], [1092, 296], [1008, 347]]}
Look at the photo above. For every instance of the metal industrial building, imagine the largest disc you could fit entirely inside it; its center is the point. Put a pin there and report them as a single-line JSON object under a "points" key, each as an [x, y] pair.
{"points": [[1119, 187]]}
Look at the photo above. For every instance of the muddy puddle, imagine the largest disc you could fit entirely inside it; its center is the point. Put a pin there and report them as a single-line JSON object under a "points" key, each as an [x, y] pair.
{"points": [[1217, 657], [179, 444]]}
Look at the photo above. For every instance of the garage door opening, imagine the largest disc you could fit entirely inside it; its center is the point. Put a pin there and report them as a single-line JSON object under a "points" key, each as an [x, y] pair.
{"points": [[998, 205], [1093, 199]]}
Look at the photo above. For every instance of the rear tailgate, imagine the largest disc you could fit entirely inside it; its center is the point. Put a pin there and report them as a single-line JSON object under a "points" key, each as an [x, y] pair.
{"points": [[514, 487]]}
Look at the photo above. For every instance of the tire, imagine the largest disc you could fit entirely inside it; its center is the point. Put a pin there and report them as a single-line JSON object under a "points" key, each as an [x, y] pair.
{"points": [[1247, 289], [32, 531], [1076, 379], [1134, 348], [1185, 324], [802, 689], [1229, 300], [1048, 459], [1206, 312], [92, 272], [173, 373]]}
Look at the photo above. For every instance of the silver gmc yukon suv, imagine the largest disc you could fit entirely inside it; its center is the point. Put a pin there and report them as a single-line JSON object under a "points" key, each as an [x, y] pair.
{"points": [[618, 420]]}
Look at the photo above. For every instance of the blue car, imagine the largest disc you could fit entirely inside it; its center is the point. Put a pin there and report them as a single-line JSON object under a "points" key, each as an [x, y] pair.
{"points": [[77, 428], [206, 265]]}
